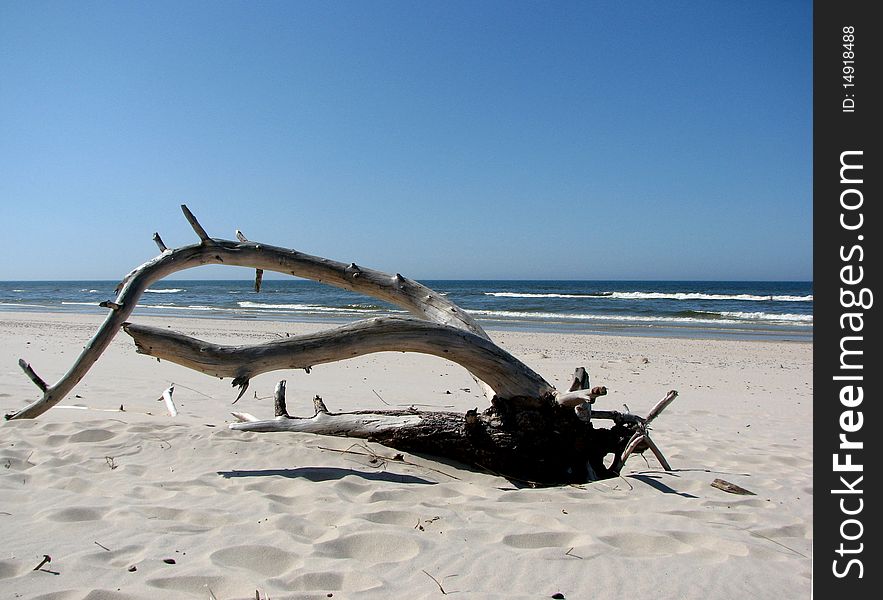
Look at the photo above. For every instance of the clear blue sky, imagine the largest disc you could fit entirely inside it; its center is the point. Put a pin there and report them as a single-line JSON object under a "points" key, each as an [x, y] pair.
{"points": [[534, 140]]}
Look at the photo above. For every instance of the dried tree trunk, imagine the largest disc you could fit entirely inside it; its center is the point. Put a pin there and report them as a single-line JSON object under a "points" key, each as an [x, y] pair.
{"points": [[541, 444], [531, 431]]}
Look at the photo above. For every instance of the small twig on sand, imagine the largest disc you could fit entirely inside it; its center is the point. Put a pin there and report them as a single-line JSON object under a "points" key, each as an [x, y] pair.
{"points": [[731, 488], [193, 390], [46, 560], [102, 546], [381, 398], [570, 553], [440, 588], [760, 535]]}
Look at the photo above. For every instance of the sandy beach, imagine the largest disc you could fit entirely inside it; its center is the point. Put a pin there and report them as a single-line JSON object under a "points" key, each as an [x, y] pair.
{"points": [[138, 504]]}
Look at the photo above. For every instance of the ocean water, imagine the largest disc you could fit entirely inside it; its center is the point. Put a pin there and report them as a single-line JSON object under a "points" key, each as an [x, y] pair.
{"points": [[782, 310]]}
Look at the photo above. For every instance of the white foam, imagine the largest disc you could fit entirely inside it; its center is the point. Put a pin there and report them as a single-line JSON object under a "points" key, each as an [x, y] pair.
{"points": [[531, 295], [310, 307], [173, 307], [24, 305], [659, 296], [698, 296], [621, 318], [164, 291], [762, 316]]}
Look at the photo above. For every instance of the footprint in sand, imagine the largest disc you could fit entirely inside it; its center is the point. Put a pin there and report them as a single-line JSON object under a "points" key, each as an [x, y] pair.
{"points": [[116, 557], [73, 484], [334, 581], [89, 436], [193, 584], [544, 539], [705, 544], [75, 514], [268, 561], [646, 544], [302, 530], [11, 568], [371, 547], [392, 517]]}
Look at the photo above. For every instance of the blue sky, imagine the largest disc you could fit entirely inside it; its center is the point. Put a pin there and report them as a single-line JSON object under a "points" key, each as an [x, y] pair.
{"points": [[534, 140]]}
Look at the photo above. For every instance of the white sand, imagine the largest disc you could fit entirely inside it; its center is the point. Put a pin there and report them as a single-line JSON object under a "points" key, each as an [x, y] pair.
{"points": [[101, 492]]}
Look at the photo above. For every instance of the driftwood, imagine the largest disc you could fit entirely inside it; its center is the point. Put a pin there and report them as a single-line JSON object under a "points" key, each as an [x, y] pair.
{"points": [[531, 431], [505, 374]]}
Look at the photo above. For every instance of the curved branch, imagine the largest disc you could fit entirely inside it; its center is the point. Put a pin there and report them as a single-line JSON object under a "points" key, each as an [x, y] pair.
{"points": [[400, 291], [509, 377]]}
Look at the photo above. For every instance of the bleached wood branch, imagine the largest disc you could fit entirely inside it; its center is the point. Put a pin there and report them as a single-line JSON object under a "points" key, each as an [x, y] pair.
{"points": [[661, 406], [574, 398], [508, 376], [244, 417], [659, 456], [159, 243], [636, 439], [32, 375], [195, 224], [417, 299], [355, 425], [170, 404], [279, 408]]}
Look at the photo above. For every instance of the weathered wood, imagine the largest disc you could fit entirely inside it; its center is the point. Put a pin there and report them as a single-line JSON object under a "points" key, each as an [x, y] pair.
{"points": [[731, 488], [657, 452], [544, 445], [417, 299], [170, 404], [279, 408], [531, 432], [32, 375], [636, 440], [574, 398], [319, 405], [244, 417], [159, 243], [195, 224], [580, 380], [509, 377], [661, 406]]}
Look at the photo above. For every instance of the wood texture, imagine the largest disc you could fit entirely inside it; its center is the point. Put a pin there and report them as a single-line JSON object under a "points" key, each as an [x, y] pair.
{"points": [[511, 379]]}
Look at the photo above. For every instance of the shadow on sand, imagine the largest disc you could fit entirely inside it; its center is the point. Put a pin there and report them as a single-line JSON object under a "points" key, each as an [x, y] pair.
{"points": [[654, 482], [327, 474]]}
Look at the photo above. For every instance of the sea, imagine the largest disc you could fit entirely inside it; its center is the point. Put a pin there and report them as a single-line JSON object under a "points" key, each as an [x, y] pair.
{"points": [[692, 309]]}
